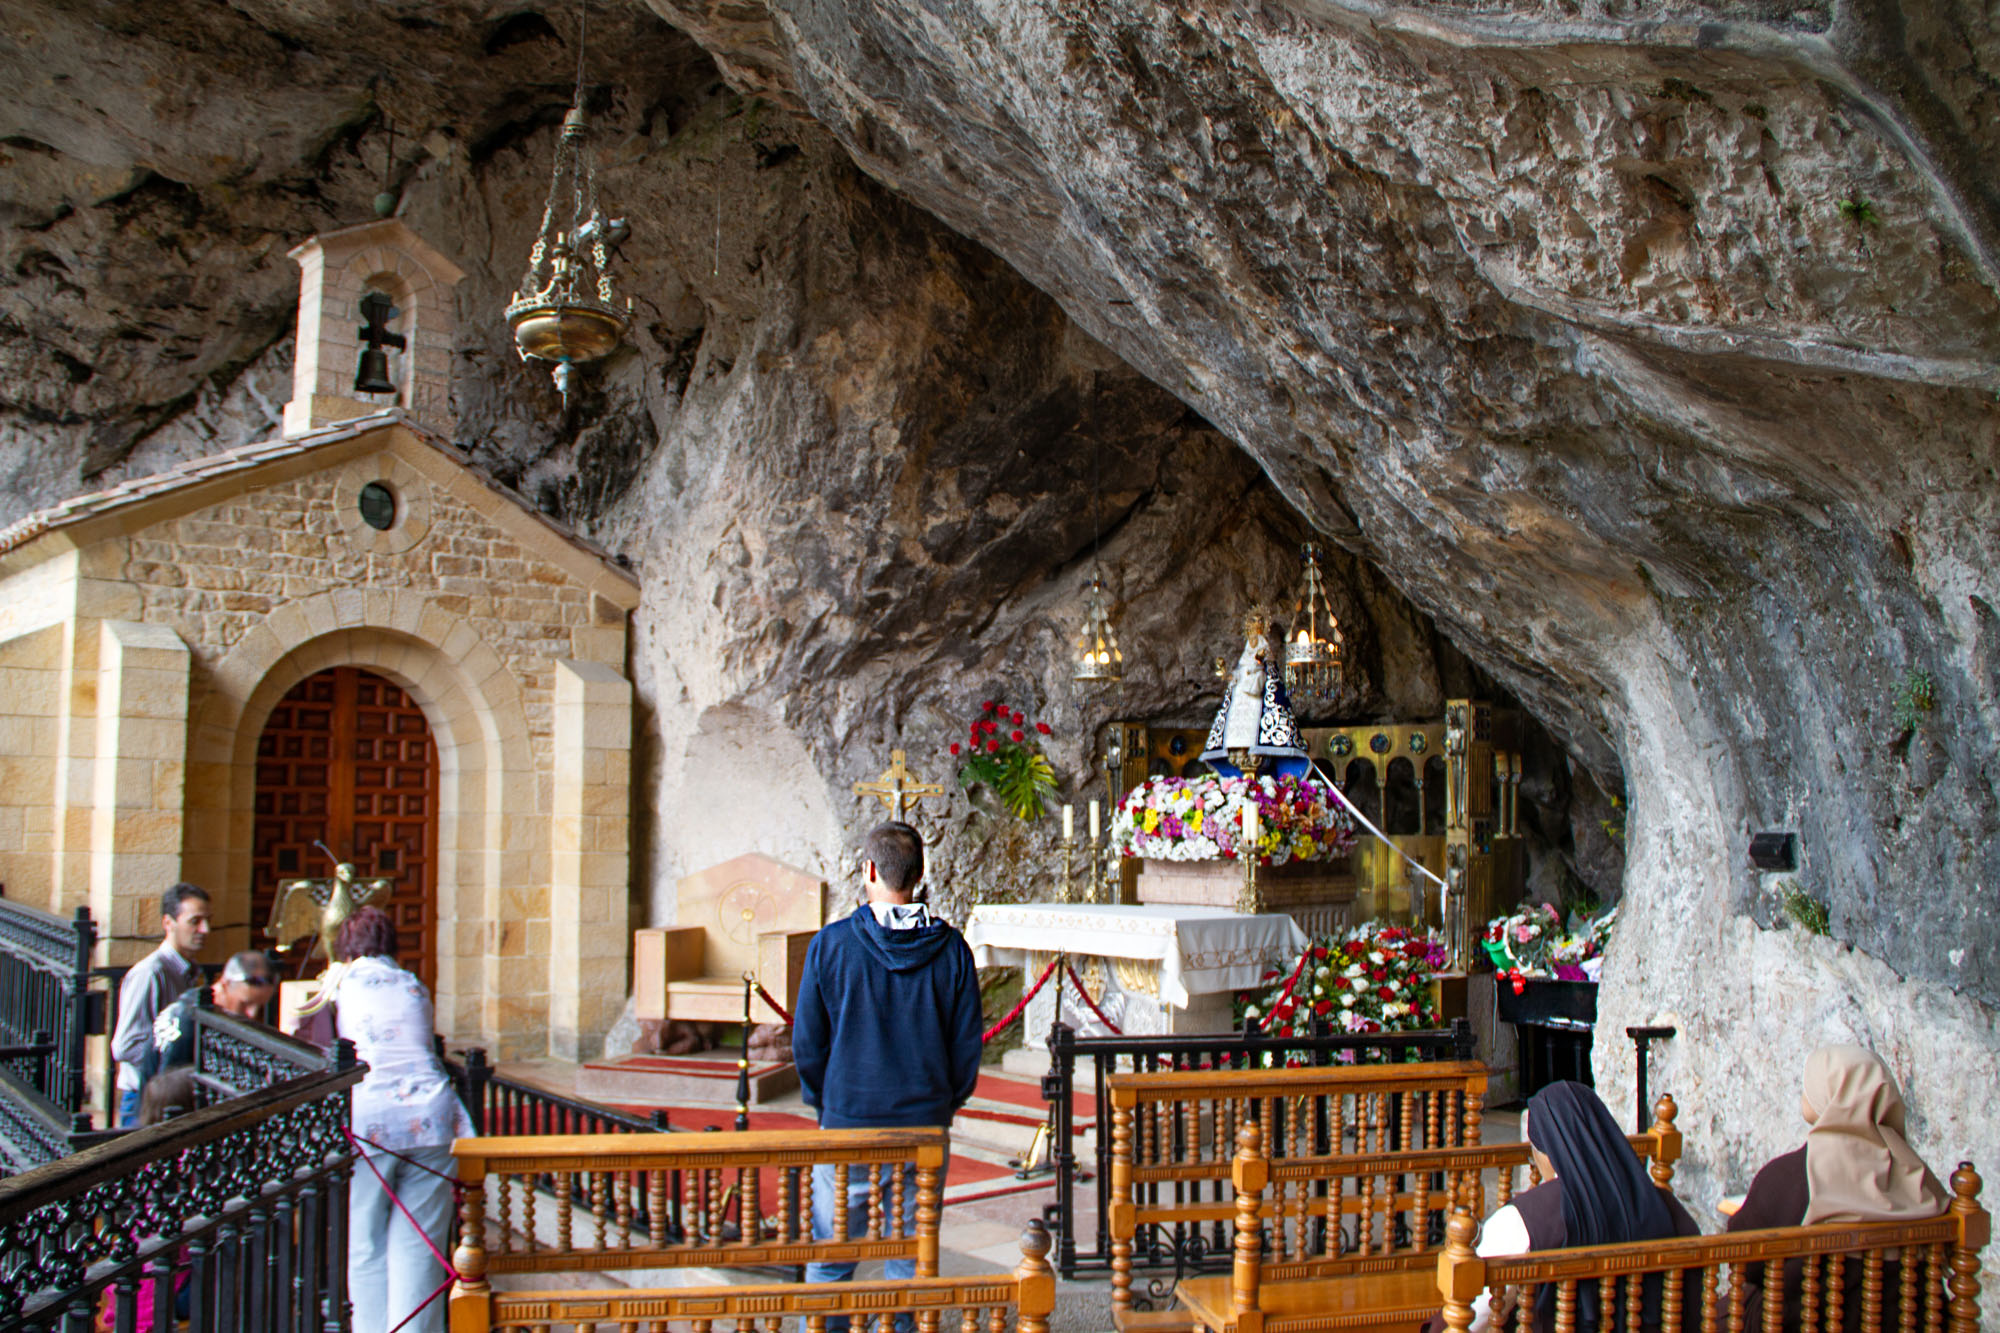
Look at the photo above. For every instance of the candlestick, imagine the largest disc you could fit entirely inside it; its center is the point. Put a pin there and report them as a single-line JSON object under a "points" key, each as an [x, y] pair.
{"points": [[1069, 823], [1250, 828], [1093, 821]]}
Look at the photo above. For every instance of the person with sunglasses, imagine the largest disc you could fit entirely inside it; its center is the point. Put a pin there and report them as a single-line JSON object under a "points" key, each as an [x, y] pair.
{"points": [[245, 987]]}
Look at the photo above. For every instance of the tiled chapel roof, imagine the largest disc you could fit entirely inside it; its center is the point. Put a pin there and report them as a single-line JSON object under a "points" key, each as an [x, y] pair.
{"points": [[250, 457]]}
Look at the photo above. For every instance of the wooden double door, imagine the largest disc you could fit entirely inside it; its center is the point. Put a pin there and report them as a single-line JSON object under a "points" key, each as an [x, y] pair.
{"points": [[347, 760]]}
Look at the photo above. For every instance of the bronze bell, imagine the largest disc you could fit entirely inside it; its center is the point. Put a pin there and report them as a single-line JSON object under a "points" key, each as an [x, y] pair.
{"points": [[372, 376]]}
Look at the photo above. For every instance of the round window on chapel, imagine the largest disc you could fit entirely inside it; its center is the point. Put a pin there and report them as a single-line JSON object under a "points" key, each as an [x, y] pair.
{"points": [[378, 506]]}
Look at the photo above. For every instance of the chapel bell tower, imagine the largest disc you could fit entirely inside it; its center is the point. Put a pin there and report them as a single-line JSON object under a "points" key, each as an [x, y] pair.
{"points": [[376, 324]]}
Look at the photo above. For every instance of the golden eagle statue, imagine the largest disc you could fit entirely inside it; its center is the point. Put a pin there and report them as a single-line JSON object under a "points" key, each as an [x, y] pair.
{"points": [[319, 907]]}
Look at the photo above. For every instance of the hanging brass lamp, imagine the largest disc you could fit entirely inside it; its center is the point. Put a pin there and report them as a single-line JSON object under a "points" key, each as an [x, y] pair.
{"points": [[1098, 659], [565, 310], [1313, 648]]}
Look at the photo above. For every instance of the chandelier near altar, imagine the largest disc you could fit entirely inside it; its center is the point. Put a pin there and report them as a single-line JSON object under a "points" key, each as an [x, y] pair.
{"points": [[565, 310], [1098, 659], [1313, 647]]}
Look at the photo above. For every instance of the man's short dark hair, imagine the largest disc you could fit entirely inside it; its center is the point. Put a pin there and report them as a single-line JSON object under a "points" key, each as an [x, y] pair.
{"points": [[367, 934], [898, 853], [171, 900]]}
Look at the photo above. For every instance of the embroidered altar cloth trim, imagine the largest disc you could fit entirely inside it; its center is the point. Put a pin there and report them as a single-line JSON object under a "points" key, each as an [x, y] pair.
{"points": [[1200, 950]]}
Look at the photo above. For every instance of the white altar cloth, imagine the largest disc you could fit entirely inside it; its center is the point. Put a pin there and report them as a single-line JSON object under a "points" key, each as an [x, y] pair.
{"points": [[1200, 950]]}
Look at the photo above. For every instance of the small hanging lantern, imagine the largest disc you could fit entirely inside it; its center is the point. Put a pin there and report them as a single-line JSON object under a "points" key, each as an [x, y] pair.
{"points": [[565, 311], [1098, 660], [1313, 648]]}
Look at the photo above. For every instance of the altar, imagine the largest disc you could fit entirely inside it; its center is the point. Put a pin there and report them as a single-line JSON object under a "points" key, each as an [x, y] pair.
{"points": [[1150, 968]]}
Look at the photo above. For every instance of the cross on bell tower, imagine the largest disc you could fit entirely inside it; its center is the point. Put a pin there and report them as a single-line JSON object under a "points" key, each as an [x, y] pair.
{"points": [[387, 273]]}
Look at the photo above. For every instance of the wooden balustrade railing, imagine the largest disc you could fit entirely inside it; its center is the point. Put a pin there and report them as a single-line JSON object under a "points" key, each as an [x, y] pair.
{"points": [[599, 1201], [1017, 1302], [1875, 1277], [1174, 1134]]}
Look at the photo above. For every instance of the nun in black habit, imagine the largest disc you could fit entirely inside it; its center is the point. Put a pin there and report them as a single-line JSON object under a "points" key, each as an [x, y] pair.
{"points": [[1595, 1191]]}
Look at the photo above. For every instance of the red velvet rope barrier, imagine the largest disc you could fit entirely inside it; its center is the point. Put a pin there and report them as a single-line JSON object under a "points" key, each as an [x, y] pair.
{"points": [[1015, 1012], [1092, 1003], [772, 1000]]}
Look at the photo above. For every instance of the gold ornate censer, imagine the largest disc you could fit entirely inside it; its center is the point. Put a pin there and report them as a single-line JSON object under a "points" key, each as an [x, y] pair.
{"points": [[565, 310]]}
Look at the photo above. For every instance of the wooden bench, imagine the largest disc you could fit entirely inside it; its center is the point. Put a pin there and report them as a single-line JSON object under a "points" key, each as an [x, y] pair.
{"points": [[1022, 1300], [1709, 1284], [573, 1202], [1173, 1133], [1350, 1241]]}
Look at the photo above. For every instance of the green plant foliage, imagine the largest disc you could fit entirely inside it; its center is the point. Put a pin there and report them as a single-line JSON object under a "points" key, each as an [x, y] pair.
{"points": [[1915, 698], [1001, 757], [1803, 910]]}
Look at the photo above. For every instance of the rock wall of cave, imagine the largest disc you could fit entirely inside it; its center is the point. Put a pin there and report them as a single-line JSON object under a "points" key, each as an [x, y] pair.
{"points": [[1650, 349], [1641, 361]]}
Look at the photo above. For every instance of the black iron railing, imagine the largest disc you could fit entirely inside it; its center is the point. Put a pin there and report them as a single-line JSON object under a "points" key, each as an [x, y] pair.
{"points": [[235, 1213], [1247, 1049], [501, 1105], [46, 1000]]}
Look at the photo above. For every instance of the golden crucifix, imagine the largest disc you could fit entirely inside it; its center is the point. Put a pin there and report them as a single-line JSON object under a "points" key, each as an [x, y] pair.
{"points": [[896, 788]]}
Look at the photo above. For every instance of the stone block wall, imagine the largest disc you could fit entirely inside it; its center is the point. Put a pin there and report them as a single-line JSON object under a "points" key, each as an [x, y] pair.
{"points": [[142, 709]]}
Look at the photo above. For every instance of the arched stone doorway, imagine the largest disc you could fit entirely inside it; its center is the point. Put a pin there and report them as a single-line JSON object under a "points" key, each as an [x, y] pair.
{"points": [[346, 758]]}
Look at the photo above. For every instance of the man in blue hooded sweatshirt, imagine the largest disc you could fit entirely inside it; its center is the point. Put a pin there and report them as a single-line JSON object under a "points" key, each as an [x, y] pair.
{"points": [[886, 1032]]}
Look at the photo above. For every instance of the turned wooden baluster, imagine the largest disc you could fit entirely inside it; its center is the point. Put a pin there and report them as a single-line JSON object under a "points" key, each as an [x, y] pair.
{"points": [[656, 1208], [805, 1221], [1475, 1118], [1738, 1294], [1774, 1296], [1975, 1228], [1907, 1306], [895, 1218], [815, 1323], [1462, 1273], [1708, 1277], [1566, 1308], [1671, 1302], [968, 1321], [506, 1210], [691, 1214], [1834, 1265], [623, 1187], [930, 1214], [470, 1305], [1666, 1142], [1422, 1199], [564, 1185], [1367, 1236], [840, 1227], [1122, 1208], [595, 1182], [1871, 1293], [875, 1231], [1809, 1290], [1934, 1284], [1250, 1172]]}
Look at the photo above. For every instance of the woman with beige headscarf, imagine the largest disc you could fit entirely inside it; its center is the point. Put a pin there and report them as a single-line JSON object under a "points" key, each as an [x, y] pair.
{"points": [[1855, 1166]]}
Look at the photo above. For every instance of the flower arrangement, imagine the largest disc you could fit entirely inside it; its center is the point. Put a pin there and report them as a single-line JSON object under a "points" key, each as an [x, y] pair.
{"points": [[1375, 978], [1000, 754], [1201, 819], [1537, 942]]}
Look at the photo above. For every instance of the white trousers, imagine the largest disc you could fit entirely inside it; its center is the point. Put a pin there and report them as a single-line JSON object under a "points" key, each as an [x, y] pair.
{"points": [[389, 1268]]}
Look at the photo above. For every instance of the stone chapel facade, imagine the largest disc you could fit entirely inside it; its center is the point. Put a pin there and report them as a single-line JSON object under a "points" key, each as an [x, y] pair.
{"points": [[350, 635]]}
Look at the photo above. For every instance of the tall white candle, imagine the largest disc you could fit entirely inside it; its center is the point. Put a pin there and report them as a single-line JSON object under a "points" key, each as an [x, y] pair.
{"points": [[1250, 830], [1069, 823], [1093, 821]]}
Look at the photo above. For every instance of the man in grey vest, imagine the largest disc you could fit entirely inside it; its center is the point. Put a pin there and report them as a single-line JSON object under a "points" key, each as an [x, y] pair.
{"points": [[155, 982]]}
